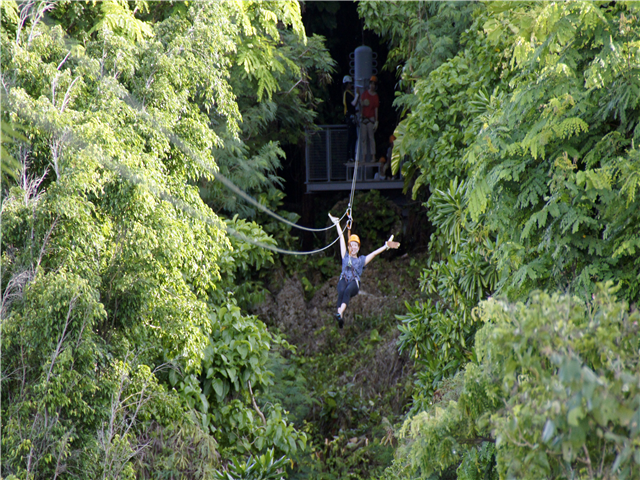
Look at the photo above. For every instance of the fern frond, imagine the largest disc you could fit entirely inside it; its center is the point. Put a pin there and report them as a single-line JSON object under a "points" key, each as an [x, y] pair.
{"points": [[118, 18], [597, 179], [570, 127], [630, 186], [478, 199], [531, 271], [533, 190], [627, 247], [573, 219]]}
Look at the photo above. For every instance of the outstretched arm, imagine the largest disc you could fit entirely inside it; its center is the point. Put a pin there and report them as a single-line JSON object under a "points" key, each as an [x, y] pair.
{"points": [[356, 97], [387, 245], [343, 245]]}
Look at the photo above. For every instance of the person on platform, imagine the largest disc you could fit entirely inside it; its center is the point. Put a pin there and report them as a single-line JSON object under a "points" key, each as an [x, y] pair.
{"points": [[382, 169], [369, 102]]}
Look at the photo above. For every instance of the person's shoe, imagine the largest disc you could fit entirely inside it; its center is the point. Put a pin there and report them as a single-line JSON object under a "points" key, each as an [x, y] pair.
{"points": [[340, 320]]}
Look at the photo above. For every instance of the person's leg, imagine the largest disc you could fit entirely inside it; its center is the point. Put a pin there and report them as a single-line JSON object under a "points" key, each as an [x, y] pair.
{"points": [[370, 141], [342, 286], [350, 291], [342, 289]]}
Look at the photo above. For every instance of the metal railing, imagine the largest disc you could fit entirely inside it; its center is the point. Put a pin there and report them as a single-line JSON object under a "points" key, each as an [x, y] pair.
{"points": [[326, 154], [328, 166]]}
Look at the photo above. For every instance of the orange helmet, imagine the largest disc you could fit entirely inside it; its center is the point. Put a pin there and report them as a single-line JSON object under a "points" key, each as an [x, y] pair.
{"points": [[373, 79], [354, 238]]}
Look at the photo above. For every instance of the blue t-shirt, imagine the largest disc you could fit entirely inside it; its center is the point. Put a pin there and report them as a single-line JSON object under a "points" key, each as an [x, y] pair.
{"points": [[352, 268]]}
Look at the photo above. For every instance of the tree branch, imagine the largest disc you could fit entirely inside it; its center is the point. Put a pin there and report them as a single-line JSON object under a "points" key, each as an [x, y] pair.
{"points": [[255, 405]]}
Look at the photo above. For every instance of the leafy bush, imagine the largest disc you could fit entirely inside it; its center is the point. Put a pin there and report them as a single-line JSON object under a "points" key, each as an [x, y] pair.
{"points": [[555, 393], [533, 124], [262, 467], [438, 332], [123, 353], [348, 408]]}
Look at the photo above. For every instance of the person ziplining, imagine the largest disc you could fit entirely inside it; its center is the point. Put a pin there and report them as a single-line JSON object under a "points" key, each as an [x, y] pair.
{"points": [[352, 267]]}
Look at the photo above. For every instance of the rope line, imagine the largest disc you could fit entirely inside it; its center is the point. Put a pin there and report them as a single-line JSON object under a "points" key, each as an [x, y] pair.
{"points": [[235, 189], [218, 176], [125, 173], [353, 182], [244, 238]]}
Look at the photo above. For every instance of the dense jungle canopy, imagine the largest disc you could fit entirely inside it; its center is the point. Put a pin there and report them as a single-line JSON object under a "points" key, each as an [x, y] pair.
{"points": [[146, 331]]}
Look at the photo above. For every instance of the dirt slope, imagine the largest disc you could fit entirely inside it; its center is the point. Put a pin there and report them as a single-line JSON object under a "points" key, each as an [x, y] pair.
{"points": [[349, 385], [310, 325]]}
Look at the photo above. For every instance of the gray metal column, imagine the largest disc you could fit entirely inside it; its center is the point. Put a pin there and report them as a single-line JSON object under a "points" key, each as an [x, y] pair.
{"points": [[328, 155], [306, 156]]}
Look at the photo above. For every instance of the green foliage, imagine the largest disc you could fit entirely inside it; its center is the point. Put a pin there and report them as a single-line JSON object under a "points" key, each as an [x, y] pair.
{"points": [[555, 387], [118, 326], [344, 457], [438, 341], [531, 157], [546, 204], [438, 333], [181, 450], [559, 174], [246, 262], [9, 166], [234, 371], [439, 117], [422, 35], [264, 467], [270, 74], [10, 15], [117, 18]]}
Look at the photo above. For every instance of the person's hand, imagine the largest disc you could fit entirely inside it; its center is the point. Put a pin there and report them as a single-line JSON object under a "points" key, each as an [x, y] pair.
{"points": [[375, 126], [391, 244], [334, 220]]}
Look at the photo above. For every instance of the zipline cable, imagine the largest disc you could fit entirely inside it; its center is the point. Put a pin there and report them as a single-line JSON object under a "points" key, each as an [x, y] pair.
{"points": [[353, 186], [126, 174], [187, 150], [355, 175], [235, 189]]}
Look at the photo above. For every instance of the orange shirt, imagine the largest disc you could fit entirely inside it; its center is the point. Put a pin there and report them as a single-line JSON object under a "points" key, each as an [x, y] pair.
{"points": [[369, 104]]}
